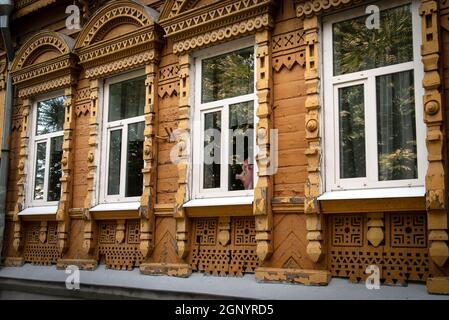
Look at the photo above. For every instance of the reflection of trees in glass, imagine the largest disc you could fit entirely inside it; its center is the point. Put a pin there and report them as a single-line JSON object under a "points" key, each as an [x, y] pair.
{"points": [[241, 142], [134, 175], [352, 132], [228, 75], [40, 171], [396, 127], [126, 99], [114, 162], [212, 150], [358, 48], [50, 116], [55, 170]]}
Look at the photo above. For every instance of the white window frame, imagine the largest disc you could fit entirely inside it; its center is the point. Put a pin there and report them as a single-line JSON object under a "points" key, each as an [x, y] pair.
{"points": [[107, 127], [34, 140], [200, 109], [368, 77]]}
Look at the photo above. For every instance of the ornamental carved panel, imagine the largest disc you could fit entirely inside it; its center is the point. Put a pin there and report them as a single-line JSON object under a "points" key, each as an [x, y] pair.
{"points": [[40, 245], [224, 247], [401, 257], [118, 252]]}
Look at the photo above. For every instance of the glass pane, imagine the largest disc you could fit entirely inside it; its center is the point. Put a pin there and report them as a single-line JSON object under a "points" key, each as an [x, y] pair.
{"points": [[126, 99], [39, 175], [50, 116], [134, 175], [241, 146], [352, 132], [212, 150], [396, 127], [115, 152], [228, 75], [55, 170], [358, 48]]}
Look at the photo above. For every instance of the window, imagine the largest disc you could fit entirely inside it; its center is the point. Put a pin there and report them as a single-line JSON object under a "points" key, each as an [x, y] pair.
{"points": [[374, 132], [123, 138], [46, 140], [223, 148]]}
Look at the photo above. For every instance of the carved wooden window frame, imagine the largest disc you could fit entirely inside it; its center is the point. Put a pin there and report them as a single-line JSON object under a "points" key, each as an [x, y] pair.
{"points": [[34, 140], [330, 86], [197, 118], [104, 198]]}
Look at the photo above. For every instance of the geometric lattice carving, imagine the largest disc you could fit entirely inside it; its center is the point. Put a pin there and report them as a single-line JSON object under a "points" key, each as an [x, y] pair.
{"points": [[133, 232], [107, 232], [121, 256], [347, 230], [245, 231], [206, 231], [52, 234], [402, 257], [408, 231], [235, 258], [32, 233], [35, 251]]}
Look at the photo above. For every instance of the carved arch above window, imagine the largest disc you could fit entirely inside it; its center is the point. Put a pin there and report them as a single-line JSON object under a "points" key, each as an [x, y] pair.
{"points": [[45, 62], [120, 36], [194, 24]]}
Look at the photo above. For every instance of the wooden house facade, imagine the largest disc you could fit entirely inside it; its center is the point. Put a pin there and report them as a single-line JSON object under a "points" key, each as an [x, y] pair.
{"points": [[340, 106]]}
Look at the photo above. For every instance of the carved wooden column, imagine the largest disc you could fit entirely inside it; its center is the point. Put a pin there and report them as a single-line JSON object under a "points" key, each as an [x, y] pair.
{"points": [[313, 151], [182, 222], [264, 187], [148, 198], [89, 223], [65, 203], [436, 196], [21, 184]]}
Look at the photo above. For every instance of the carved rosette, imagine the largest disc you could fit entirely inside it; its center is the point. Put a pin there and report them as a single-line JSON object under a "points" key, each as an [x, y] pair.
{"points": [[103, 56], [33, 79], [433, 117]]}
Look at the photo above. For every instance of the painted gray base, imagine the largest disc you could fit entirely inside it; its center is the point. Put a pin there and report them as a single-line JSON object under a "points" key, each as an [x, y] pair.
{"points": [[46, 282]]}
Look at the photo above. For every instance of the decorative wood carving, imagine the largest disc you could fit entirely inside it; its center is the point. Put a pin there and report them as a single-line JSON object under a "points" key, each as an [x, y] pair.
{"points": [[148, 198], [313, 151], [224, 246], [401, 257], [182, 140], [263, 192], [104, 52], [193, 28], [307, 8], [436, 197], [118, 244], [288, 50], [40, 243], [168, 84], [25, 7], [375, 234]]}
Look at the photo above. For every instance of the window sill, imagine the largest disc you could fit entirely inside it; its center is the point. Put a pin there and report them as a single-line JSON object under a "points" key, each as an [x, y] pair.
{"points": [[225, 206], [215, 202], [119, 206], [406, 192], [37, 211]]}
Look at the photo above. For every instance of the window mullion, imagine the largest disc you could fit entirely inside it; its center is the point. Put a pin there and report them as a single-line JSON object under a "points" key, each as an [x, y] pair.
{"points": [[224, 147], [123, 162], [47, 166], [371, 131]]}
